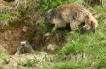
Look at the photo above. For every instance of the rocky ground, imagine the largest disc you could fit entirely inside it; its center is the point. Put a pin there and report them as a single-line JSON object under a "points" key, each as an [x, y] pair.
{"points": [[38, 60]]}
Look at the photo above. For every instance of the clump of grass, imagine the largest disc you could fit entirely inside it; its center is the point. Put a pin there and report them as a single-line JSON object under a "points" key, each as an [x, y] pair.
{"points": [[73, 47], [44, 28], [5, 60], [64, 65], [100, 62], [28, 62], [47, 5], [6, 17]]}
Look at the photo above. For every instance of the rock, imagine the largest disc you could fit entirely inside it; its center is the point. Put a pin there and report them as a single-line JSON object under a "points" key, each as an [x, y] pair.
{"points": [[25, 28], [6, 36], [52, 47], [47, 34]]}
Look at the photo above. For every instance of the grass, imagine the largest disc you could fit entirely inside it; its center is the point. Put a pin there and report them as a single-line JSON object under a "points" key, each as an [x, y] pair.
{"points": [[84, 51], [48, 5], [80, 51], [65, 65], [5, 60], [28, 62], [6, 16], [44, 28]]}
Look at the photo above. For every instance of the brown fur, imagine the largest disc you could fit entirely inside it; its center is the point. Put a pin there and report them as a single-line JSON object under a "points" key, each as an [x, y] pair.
{"points": [[72, 14], [24, 47]]}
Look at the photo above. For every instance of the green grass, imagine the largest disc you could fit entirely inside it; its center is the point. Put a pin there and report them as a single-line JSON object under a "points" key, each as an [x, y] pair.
{"points": [[28, 62], [87, 51], [6, 16], [65, 65], [44, 28], [5, 60], [84, 51], [80, 51], [47, 5]]}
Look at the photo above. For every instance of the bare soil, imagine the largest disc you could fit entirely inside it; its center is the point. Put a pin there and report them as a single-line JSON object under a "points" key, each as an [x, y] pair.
{"points": [[10, 36]]}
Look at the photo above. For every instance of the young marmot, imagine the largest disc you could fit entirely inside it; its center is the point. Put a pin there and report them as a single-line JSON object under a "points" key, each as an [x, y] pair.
{"points": [[24, 47]]}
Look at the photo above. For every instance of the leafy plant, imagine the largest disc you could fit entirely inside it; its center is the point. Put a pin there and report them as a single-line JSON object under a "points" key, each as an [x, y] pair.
{"points": [[47, 5], [44, 28]]}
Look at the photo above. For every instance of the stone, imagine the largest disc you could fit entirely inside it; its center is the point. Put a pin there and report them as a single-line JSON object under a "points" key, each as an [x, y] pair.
{"points": [[47, 34], [52, 47], [25, 28]]}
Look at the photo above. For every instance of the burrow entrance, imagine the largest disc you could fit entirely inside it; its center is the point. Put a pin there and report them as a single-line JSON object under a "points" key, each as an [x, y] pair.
{"points": [[10, 38], [26, 27]]}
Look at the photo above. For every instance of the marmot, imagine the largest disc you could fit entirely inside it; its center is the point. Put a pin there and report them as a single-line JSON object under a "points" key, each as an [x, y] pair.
{"points": [[72, 14], [24, 47]]}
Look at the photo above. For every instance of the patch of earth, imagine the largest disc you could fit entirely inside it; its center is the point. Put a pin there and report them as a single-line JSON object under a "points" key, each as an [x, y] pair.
{"points": [[23, 60], [26, 27], [10, 39]]}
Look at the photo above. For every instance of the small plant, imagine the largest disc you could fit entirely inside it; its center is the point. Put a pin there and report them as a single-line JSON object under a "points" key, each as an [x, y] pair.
{"points": [[44, 28], [4, 59], [29, 62], [6, 17], [65, 65], [47, 5], [74, 47]]}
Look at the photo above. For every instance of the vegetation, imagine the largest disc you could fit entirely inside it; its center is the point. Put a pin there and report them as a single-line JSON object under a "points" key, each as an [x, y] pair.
{"points": [[81, 51], [5, 60], [48, 5], [86, 51], [28, 62]]}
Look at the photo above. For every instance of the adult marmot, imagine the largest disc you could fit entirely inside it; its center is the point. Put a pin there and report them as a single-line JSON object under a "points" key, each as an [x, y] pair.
{"points": [[72, 14]]}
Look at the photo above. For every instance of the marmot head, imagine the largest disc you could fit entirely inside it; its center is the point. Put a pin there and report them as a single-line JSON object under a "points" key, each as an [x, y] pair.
{"points": [[24, 43], [49, 17]]}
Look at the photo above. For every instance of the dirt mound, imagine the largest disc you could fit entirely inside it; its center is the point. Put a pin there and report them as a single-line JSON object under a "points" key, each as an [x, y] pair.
{"points": [[25, 27], [10, 39]]}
